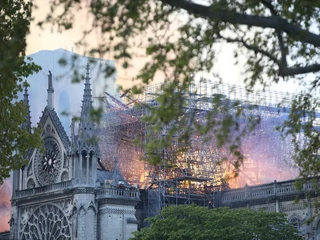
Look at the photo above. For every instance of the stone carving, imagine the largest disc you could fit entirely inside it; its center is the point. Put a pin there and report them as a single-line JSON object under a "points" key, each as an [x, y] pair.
{"points": [[117, 211], [64, 176], [25, 215], [93, 207], [31, 183], [48, 128], [66, 161], [294, 220], [46, 222], [267, 208], [66, 206], [292, 207], [29, 169], [57, 125], [118, 201], [83, 190]]}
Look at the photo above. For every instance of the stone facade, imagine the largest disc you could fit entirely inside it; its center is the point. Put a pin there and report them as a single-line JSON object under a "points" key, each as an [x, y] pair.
{"points": [[298, 204], [60, 193]]}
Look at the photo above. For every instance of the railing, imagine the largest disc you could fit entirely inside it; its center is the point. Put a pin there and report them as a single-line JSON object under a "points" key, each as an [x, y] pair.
{"points": [[263, 191], [109, 192], [115, 192], [232, 195], [44, 189]]}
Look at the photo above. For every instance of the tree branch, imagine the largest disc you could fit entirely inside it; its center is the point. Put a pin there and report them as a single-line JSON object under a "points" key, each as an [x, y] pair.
{"points": [[268, 4], [250, 47], [284, 71], [283, 49], [274, 22], [292, 71]]}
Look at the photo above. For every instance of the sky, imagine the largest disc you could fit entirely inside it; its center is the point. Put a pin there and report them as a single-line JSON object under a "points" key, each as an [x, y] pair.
{"points": [[67, 95], [50, 39]]}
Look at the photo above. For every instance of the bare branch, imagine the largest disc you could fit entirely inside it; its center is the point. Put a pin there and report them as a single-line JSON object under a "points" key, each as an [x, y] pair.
{"points": [[250, 47], [284, 71], [273, 22]]}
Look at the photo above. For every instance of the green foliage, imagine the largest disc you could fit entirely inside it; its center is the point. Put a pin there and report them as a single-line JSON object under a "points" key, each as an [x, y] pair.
{"points": [[196, 223], [279, 40], [14, 139]]}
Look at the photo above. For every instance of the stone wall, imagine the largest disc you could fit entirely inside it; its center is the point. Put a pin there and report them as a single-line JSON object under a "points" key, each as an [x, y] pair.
{"points": [[86, 215], [116, 222], [278, 197]]}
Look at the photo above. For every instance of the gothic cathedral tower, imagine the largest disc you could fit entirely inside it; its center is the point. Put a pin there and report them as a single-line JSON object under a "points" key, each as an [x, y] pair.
{"points": [[36, 213], [84, 154], [60, 193]]}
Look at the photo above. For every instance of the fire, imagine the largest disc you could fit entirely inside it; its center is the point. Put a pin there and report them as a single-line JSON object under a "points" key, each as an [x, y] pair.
{"points": [[204, 167], [254, 172], [205, 164]]}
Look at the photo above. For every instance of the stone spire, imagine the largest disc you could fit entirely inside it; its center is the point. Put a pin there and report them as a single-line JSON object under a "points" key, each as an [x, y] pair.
{"points": [[86, 126], [85, 145], [50, 92], [72, 128], [117, 176], [116, 173], [87, 97], [116, 167], [27, 123]]}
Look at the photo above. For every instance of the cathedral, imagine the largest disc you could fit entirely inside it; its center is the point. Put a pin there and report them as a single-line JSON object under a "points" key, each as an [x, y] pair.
{"points": [[64, 192]]}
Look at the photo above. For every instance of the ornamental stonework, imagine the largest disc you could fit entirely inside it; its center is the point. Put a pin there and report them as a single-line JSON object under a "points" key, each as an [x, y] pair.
{"points": [[118, 211], [44, 223], [30, 183], [292, 207], [29, 169], [48, 162]]}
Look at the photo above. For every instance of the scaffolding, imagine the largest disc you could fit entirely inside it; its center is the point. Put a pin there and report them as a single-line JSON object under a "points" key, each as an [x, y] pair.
{"points": [[196, 174]]}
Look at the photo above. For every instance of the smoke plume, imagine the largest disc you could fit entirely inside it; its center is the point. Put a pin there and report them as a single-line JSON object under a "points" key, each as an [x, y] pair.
{"points": [[5, 205]]}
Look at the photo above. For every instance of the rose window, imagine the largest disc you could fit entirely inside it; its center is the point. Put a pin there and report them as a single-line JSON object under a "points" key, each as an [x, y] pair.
{"points": [[48, 162], [47, 222]]}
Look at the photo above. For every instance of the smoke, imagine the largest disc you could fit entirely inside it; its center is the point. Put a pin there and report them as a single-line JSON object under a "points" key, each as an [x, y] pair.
{"points": [[5, 205], [268, 157], [261, 172]]}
